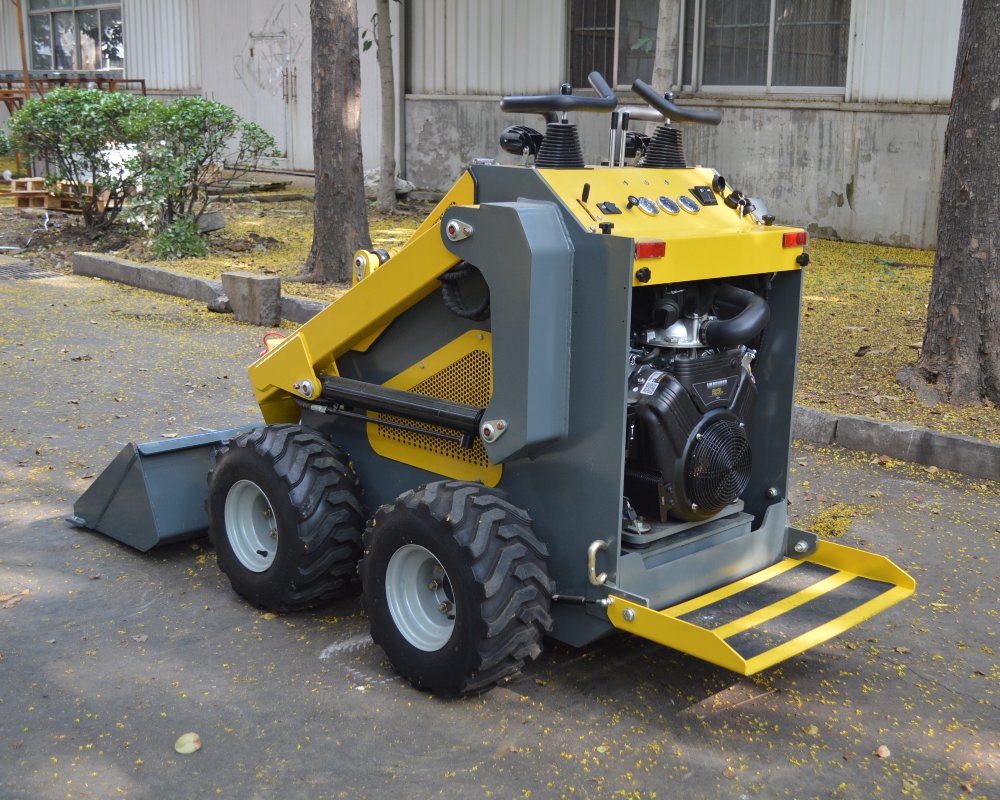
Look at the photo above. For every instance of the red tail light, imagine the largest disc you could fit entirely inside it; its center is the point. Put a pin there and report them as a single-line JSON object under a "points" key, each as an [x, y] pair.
{"points": [[795, 239], [650, 249]]}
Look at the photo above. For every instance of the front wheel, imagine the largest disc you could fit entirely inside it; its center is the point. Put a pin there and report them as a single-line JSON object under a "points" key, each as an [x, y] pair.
{"points": [[285, 515], [455, 586]]}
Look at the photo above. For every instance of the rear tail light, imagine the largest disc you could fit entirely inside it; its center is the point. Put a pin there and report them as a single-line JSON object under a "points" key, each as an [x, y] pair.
{"points": [[795, 239]]}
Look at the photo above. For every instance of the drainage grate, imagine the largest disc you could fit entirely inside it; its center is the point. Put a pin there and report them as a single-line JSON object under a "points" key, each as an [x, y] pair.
{"points": [[23, 271]]}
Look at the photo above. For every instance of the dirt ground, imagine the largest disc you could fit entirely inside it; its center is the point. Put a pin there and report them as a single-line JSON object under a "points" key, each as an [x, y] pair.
{"points": [[863, 315]]}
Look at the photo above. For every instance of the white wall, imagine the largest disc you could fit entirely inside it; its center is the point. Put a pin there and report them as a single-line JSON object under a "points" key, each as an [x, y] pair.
{"points": [[161, 44], [484, 47], [903, 51]]}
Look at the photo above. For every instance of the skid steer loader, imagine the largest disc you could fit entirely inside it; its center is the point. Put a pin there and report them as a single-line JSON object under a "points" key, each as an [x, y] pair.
{"points": [[561, 409]]}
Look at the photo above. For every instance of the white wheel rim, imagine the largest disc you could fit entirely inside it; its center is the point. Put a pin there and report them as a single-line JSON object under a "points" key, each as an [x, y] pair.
{"points": [[250, 526], [420, 598]]}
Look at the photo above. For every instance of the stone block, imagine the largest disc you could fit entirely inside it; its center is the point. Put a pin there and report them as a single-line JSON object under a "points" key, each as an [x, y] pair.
{"points": [[255, 298]]}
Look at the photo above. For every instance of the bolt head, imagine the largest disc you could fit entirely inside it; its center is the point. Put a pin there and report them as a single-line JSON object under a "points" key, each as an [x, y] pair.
{"points": [[628, 615], [801, 546], [772, 492]]}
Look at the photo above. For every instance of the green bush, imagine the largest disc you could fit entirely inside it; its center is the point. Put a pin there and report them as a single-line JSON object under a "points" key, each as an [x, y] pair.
{"points": [[180, 239], [5, 149], [88, 136], [198, 144]]}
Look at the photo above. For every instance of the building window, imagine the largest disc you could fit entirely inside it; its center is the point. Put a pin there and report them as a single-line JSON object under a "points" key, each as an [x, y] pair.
{"points": [[615, 37], [83, 35], [755, 45]]}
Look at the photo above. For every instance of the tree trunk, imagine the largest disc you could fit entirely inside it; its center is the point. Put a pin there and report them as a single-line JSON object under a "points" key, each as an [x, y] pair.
{"points": [[340, 224], [668, 26], [961, 350], [386, 202]]}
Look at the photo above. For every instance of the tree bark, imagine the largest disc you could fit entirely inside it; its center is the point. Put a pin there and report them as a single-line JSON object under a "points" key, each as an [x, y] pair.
{"points": [[340, 222], [668, 27], [961, 349], [386, 200]]}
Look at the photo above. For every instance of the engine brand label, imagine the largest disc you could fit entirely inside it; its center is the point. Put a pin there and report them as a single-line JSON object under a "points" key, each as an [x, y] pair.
{"points": [[716, 392]]}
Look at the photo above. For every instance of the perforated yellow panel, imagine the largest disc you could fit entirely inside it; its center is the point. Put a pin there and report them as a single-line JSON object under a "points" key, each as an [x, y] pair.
{"points": [[461, 371]]}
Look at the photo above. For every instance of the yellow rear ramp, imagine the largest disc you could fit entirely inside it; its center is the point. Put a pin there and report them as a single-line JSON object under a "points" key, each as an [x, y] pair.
{"points": [[772, 615]]}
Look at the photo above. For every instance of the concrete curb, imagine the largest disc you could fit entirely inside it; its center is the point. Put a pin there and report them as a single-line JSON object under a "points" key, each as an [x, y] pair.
{"points": [[156, 279], [899, 440]]}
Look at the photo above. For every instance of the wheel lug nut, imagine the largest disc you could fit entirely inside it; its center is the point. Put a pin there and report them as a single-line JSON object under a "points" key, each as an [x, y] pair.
{"points": [[444, 607], [433, 586]]}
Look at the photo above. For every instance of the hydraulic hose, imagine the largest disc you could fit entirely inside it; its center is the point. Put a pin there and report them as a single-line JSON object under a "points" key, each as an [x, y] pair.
{"points": [[753, 316]]}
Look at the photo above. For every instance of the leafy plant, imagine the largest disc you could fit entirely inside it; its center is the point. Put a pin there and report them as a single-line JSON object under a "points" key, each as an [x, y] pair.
{"points": [[198, 144], [5, 148], [180, 239], [88, 136]]}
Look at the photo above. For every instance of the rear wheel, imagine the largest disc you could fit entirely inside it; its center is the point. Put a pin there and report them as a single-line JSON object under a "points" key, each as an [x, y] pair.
{"points": [[455, 586], [285, 516]]}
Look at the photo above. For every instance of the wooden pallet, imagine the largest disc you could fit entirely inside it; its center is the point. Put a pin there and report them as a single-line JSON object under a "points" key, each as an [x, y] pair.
{"points": [[29, 199], [27, 185]]}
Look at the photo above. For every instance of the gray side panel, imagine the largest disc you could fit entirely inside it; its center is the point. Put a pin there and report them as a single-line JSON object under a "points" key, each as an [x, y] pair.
{"points": [[525, 254], [771, 425]]}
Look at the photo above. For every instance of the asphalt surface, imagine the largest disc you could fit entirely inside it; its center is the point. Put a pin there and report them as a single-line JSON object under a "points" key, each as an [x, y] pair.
{"points": [[108, 655]]}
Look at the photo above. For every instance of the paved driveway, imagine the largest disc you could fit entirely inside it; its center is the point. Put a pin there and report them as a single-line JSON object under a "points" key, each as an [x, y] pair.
{"points": [[107, 656]]}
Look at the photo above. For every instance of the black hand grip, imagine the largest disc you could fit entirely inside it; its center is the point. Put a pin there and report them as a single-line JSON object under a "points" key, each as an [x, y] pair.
{"points": [[705, 116], [550, 104]]}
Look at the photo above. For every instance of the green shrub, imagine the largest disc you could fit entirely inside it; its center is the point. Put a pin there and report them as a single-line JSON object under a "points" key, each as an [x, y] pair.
{"points": [[5, 149], [88, 136], [180, 239], [197, 144]]}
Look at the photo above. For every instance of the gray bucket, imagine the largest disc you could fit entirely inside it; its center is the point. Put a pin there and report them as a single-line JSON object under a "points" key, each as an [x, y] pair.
{"points": [[154, 493]]}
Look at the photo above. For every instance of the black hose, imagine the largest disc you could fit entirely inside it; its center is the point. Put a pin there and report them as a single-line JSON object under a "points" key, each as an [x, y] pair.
{"points": [[451, 293], [749, 322]]}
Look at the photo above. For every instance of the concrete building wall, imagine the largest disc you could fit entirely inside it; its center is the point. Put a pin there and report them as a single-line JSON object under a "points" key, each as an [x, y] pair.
{"points": [[864, 172]]}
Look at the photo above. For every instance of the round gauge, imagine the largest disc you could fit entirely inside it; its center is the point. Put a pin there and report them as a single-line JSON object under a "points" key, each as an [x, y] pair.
{"points": [[668, 204], [688, 204], [647, 206]]}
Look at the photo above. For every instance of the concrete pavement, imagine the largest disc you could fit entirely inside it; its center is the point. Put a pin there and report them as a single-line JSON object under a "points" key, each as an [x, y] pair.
{"points": [[107, 655]]}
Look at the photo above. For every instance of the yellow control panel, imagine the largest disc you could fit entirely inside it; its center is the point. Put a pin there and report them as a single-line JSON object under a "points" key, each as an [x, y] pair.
{"points": [[684, 209]]}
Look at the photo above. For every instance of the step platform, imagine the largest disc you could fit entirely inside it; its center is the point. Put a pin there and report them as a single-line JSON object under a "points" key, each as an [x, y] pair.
{"points": [[776, 613]]}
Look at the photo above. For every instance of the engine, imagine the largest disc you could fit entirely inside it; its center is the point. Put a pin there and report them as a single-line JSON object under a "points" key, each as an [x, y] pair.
{"points": [[690, 393]]}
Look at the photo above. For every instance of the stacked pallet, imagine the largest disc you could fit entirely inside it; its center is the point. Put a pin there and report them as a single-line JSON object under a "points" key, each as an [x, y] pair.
{"points": [[32, 193]]}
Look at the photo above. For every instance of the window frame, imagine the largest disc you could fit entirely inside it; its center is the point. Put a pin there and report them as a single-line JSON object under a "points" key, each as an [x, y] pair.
{"points": [[768, 88], [75, 8]]}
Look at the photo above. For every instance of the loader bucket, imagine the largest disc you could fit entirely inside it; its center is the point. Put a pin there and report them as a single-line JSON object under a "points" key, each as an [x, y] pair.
{"points": [[153, 493], [776, 613]]}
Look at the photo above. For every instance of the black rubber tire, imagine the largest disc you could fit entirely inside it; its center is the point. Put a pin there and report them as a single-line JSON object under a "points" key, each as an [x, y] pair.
{"points": [[318, 508], [498, 581]]}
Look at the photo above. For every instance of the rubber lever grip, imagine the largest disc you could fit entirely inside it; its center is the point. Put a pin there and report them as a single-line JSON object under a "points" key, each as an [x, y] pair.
{"points": [[705, 116], [550, 103]]}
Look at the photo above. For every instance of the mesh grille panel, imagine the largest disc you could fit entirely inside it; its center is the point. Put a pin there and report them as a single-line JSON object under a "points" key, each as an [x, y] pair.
{"points": [[719, 466], [468, 380]]}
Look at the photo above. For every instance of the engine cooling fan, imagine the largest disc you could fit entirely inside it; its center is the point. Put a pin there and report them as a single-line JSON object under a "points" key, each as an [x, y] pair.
{"points": [[717, 471]]}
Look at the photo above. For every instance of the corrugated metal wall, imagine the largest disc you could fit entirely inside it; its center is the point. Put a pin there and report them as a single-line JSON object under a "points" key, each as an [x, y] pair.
{"points": [[903, 50], [479, 47], [162, 45], [10, 55]]}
